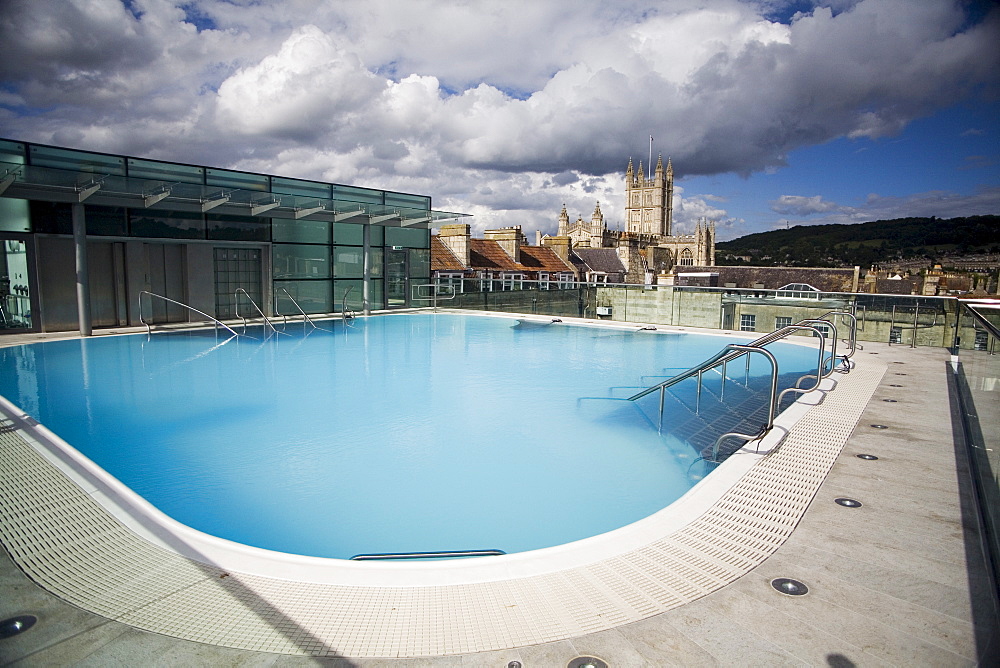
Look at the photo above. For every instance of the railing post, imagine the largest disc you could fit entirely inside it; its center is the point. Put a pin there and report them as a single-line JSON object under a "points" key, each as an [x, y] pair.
{"points": [[916, 311]]}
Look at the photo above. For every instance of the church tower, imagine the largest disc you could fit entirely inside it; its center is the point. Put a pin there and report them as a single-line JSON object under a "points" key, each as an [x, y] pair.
{"points": [[563, 223], [597, 227], [649, 202]]}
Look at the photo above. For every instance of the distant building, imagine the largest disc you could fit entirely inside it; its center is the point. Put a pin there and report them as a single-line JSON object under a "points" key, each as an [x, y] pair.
{"points": [[503, 260], [646, 247]]}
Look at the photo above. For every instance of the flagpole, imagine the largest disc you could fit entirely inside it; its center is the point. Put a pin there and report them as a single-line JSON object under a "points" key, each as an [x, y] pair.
{"points": [[649, 162]]}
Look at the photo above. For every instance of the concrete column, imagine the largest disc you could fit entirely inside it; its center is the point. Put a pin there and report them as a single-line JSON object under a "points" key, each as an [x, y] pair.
{"points": [[82, 277], [367, 272]]}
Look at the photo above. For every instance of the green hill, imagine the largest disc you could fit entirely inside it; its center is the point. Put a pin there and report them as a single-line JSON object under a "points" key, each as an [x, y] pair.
{"points": [[864, 244]]}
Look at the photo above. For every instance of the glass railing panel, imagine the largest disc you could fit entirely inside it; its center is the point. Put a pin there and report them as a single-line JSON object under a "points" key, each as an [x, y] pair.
{"points": [[979, 387]]}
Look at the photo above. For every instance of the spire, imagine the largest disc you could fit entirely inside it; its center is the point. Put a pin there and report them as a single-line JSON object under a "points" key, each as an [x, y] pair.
{"points": [[659, 164], [640, 172], [670, 168], [629, 173]]}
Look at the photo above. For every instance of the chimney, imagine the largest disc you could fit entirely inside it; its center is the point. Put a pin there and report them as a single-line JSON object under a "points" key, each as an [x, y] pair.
{"points": [[560, 245], [538, 237], [509, 238], [456, 238]]}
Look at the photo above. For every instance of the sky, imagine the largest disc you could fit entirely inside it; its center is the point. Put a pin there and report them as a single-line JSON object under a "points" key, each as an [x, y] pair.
{"points": [[774, 113]]}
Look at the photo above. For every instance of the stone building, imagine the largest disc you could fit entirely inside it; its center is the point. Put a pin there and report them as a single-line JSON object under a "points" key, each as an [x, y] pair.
{"points": [[647, 247]]}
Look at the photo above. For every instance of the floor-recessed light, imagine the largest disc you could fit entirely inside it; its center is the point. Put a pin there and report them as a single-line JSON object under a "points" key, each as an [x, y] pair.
{"points": [[587, 662], [879, 426], [789, 586], [15, 625], [847, 503], [895, 385], [867, 457], [889, 401]]}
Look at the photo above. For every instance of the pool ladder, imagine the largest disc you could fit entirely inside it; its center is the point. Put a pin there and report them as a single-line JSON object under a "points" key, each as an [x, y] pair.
{"points": [[218, 323], [734, 351]]}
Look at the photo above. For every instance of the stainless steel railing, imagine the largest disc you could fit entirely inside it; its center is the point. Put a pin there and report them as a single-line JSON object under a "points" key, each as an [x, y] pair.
{"points": [[305, 317], [218, 323], [426, 555], [236, 299]]}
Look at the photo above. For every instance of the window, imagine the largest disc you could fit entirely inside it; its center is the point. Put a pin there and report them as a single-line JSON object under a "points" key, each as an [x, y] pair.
{"points": [[782, 321], [445, 279], [543, 280], [565, 280], [982, 340], [687, 259], [511, 281], [823, 328], [748, 322]]}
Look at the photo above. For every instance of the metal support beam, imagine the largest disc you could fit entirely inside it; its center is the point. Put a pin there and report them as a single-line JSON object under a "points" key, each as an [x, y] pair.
{"points": [[209, 204], [308, 211], [86, 191], [416, 221], [153, 198], [347, 215], [9, 176], [258, 208], [376, 220], [82, 276]]}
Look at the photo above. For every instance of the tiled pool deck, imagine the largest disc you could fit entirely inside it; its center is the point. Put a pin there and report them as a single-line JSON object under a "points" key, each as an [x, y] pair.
{"points": [[899, 581]]}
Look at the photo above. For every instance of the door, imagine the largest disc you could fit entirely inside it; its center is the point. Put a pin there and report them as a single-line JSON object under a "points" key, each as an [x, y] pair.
{"points": [[15, 291], [165, 270], [395, 278], [106, 275]]}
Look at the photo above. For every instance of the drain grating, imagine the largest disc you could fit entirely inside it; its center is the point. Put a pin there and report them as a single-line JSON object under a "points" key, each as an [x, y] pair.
{"points": [[847, 503], [867, 457], [16, 625], [790, 587], [587, 662]]}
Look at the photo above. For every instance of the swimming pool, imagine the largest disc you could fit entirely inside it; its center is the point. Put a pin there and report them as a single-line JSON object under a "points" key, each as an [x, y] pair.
{"points": [[402, 433]]}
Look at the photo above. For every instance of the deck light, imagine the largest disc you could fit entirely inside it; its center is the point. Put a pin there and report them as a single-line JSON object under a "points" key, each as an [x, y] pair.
{"points": [[889, 401], [879, 426], [587, 662], [867, 457], [847, 503], [16, 625], [790, 587]]}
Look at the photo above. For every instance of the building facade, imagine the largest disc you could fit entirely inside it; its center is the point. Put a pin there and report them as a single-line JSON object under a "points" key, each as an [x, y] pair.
{"points": [[84, 234]]}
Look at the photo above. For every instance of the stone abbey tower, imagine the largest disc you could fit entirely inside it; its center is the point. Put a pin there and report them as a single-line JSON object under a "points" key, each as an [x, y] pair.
{"points": [[647, 245]]}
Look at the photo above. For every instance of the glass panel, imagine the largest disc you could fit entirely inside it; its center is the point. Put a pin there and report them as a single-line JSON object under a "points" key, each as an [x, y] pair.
{"points": [[395, 271], [51, 217], [346, 234], [299, 187], [354, 292], [377, 262], [61, 158], [300, 231], [348, 262], [407, 237], [242, 180], [301, 261], [15, 300], [312, 296], [167, 224], [12, 151], [15, 215], [376, 295], [410, 201], [238, 228], [376, 235], [165, 171], [352, 194], [420, 265], [105, 220]]}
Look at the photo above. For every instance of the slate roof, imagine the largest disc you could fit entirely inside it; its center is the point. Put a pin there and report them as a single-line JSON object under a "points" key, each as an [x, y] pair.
{"points": [[601, 259]]}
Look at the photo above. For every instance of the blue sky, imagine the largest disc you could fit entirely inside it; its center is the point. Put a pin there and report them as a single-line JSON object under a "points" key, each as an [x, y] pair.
{"points": [[775, 112]]}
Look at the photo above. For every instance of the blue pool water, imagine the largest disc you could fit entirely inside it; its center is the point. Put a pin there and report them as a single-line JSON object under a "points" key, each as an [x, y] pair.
{"points": [[400, 433]]}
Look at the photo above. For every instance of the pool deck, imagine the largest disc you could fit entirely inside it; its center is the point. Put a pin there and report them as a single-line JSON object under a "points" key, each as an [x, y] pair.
{"points": [[898, 581]]}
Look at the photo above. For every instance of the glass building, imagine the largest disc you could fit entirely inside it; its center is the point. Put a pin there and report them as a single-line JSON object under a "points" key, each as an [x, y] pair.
{"points": [[85, 233]]}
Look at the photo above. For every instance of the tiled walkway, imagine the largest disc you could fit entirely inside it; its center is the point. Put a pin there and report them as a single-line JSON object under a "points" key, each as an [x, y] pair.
{"points": [[897, 581]]}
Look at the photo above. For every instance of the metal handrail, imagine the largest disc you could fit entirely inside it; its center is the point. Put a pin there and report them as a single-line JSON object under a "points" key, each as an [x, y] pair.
{"points": [[819, 366], [236, 300], [174, 301], [427, 555], [771, 404], [414, 292], [343, 306], [306, 317]]}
